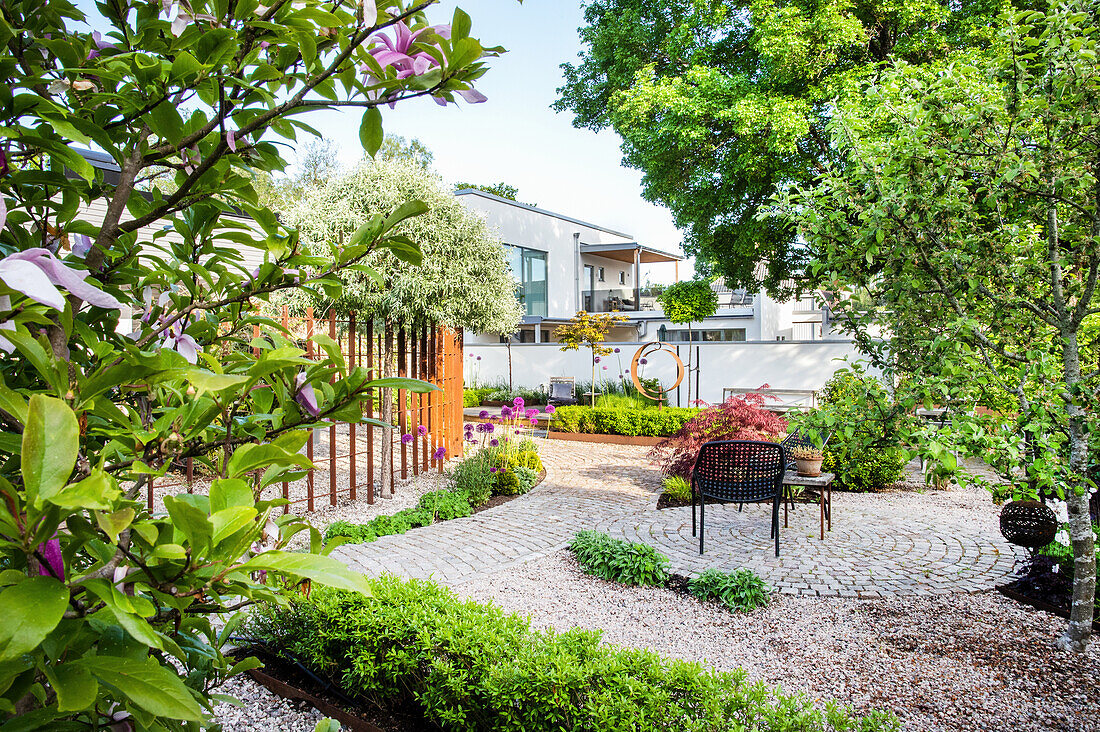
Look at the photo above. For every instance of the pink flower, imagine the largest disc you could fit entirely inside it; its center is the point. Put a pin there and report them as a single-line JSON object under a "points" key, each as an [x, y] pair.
{"points": [[406, 439], [494, 442], [395, 53], [37, 273], [180, 342], [422, 430], [483, 414], [305, 395], [55, 563], [534, 422], [440, 453], [550, 409]]}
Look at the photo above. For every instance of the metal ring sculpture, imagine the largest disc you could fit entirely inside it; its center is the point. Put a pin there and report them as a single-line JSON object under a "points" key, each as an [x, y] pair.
{"points": [[644, 352]]}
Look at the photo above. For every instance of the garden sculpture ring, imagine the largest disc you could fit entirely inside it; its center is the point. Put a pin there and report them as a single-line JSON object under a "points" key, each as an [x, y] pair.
{"points": [[643, 353]]}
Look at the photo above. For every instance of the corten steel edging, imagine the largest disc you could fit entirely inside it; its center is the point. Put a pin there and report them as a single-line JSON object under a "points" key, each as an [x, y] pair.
{"points": [[608, 439], [285, 690]]}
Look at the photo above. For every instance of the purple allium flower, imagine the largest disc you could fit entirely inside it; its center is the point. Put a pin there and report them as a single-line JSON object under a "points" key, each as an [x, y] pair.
{"points": [[304, 395], [550, 409], [534, 422], [490, 427], [505, 412], [55, 563], [596, 359], [406, 439], [483, 414], [518, 402], [440, 453], [643, 361], [422, 430], [37, 273], [616, 350], [471, 355], [605, 368], [481, 427], [479, 358], [492, 470], [494, 442], [468, 427], [470, 439], [531, 412]]}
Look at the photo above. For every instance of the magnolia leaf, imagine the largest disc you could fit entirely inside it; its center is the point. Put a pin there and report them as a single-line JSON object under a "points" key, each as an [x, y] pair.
{"points": [[370, 131], [147, 684], [75, 686], [115, 523], [396, 382], [325, 570], [50, 446], [97, 491], [31, 610]]}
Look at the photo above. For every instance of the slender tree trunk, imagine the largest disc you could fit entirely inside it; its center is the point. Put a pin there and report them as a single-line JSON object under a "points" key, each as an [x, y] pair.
{"points": [[387, 413], [1077, 633], [592, 396]]}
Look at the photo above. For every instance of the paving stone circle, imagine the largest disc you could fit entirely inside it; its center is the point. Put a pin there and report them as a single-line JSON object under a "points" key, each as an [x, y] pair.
{"points": [[881, 545]]}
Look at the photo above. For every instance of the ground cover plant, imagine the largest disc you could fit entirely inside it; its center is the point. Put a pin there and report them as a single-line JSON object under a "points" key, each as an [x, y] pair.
{"points": [[105, 606], [676, 489], [740, 591], [628, 421], [616, 560], [738, 418], [471, 666]]}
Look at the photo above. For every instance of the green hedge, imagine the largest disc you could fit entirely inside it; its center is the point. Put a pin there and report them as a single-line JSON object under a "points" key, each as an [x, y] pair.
{"points": [[616, 421], [471, 666], [474, 397], [435, 506]]}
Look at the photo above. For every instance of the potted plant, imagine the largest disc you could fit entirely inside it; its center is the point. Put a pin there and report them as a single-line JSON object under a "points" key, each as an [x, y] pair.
{"points": [[807, 460]]}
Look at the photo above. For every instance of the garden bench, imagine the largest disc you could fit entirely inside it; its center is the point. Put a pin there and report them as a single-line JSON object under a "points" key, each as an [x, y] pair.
{"points": [[787, 399]]}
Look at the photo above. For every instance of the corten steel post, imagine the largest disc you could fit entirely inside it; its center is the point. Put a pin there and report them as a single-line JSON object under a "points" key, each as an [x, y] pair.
{"points": [[351, 426], [425, 413], [332, 424], [286, 484], [413, 397], [370, 413], [309, 442], [402, 372]]}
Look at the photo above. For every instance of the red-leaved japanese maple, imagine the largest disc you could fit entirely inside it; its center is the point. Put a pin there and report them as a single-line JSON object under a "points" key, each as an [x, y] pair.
{"points": [[738, 418]]}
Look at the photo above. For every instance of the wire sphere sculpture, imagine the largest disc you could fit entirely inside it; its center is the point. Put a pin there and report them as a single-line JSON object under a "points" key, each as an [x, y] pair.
{"points": [[1029, 524], [644, 352]]}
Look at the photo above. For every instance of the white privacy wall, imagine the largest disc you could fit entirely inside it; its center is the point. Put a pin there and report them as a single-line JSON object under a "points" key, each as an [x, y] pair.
{"points": [[780, 364]]}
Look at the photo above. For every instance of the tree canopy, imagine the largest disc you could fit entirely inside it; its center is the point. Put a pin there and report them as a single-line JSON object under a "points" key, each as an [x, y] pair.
{"points": [[497, 189], [723, 103], [463, 281]]}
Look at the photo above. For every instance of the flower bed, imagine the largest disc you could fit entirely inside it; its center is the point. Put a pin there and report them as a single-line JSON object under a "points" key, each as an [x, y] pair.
{"points": [[650, 422]]}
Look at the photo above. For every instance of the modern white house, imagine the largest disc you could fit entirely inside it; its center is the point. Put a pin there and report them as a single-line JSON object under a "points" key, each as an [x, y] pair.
{"points": [[563, 265]]}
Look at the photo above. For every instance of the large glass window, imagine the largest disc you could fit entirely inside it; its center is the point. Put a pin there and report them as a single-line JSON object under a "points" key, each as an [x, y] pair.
{"points": [[706, 334], [529, 270]]}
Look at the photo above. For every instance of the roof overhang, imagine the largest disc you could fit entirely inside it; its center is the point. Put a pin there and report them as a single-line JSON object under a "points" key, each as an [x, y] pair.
{"points": [[625, 252]]}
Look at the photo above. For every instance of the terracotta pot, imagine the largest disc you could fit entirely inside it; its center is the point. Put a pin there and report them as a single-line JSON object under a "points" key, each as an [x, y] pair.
{"points": [[807, 467]]}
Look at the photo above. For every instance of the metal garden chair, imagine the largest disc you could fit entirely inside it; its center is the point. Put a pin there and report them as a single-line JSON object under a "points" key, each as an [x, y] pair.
{"points": [[741, 471]]}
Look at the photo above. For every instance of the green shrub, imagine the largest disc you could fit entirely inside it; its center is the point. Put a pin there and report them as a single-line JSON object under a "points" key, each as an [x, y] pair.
{"points": [[526, 459], [473, 478], [435, 506], [622, 401], [619, 561], [677, 488], [526, 478], [507, 483], [474, 397], [470, 666], [529, 395], [649, 422], [865, 469], [742, 590], [445, 505]]}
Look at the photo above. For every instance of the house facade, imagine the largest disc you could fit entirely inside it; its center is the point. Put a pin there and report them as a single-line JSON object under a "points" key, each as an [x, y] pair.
{"points": [[563, 265]]}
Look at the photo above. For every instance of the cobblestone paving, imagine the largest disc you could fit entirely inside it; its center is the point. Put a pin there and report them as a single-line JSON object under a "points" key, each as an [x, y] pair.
{"points": [[881, 545]]}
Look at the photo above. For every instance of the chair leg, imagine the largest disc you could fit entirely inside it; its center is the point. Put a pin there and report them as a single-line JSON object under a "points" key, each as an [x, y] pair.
{"points": [[775, 524], [739, 507], [693, 511], [702, 519]]}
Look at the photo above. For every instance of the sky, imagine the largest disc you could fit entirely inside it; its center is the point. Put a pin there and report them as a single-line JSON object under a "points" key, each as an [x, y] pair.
{"points": [[515, 137]]}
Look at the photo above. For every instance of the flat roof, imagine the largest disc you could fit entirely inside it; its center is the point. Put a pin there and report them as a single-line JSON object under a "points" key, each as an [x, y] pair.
{"points": [[625, 252], [536, 209]]}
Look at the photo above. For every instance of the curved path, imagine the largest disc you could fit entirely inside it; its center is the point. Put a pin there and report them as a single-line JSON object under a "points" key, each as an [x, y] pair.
{"points": [[881, 545]]}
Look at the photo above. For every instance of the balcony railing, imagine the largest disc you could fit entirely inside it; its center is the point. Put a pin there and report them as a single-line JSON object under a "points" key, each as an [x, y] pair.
{"points": [[620, 299]]}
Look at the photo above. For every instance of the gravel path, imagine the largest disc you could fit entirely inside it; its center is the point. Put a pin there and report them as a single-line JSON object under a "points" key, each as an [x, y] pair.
{"points": [[964, 662]]}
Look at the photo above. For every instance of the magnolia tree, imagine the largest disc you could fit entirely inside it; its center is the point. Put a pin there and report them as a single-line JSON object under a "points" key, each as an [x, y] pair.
{"points": [[966, 213], [463, 281], [107, 607], [588, 330]]}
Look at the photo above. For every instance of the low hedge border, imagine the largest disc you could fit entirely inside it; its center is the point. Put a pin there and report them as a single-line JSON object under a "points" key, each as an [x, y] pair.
{"points": [[650, 422], [470, 666]]}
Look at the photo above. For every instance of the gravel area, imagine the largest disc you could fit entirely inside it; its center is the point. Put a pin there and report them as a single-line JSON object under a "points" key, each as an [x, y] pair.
{"points": [[958, 662], [262, 710]]}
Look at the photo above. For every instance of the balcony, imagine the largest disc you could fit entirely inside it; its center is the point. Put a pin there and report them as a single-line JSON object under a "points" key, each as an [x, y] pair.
{"points": [[608, 300]]}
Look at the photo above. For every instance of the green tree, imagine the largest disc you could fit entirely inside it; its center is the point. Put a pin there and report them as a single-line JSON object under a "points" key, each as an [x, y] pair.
{"points": [[689, 302], [967, 211], [588, 330], [395, 147], [723, 103], [497, 189], [107, 606]]}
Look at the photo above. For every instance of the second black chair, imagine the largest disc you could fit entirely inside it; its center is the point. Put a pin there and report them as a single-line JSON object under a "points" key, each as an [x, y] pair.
{"points": [[741, 471]]}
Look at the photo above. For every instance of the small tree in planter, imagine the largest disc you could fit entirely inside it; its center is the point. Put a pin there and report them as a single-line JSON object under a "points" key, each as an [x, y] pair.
{"points": [[688, 302], [588, 330]]}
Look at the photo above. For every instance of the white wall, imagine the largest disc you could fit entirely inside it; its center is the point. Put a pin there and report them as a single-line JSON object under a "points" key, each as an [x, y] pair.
{"points": [[781, 365]]}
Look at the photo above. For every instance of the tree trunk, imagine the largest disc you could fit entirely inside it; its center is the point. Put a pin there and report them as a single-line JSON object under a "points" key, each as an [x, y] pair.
{"points": [[592, 396], [386, 473], [1076, 637]]}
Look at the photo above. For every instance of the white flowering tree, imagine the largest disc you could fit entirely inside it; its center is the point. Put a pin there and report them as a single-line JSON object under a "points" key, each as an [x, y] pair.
{"points": [[104, 606]]}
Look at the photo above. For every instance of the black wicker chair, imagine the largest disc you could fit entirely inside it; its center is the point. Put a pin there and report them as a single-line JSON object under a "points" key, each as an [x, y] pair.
{"points": [[738, 470]]}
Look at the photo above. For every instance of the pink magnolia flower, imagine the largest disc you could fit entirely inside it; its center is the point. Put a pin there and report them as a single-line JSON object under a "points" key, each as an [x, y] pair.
{"points": [[55, 563], [305, 395], [99, 43], [38, 274], [395, 53], [180, 342]]}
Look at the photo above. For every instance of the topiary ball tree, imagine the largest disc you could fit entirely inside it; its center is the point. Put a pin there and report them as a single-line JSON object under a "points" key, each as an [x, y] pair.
{"points": [[688, 302]]}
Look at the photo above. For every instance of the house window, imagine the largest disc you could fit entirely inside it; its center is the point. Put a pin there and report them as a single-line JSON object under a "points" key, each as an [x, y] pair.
{"points": [[622, 278], [529, 271], [709, 335], [599, 274]]}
